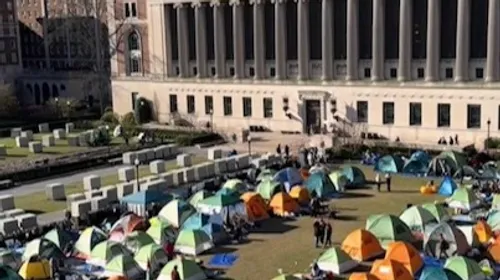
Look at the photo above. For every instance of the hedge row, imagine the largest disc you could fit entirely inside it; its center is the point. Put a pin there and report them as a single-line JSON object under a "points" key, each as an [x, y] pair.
{"points": [[181, 137]]}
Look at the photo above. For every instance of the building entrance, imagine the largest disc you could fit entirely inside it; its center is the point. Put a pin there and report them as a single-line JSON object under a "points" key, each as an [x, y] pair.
{"points": [[313, 116]]}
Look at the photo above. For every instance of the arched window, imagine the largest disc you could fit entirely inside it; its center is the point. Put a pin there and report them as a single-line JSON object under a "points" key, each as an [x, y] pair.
{"points": [[134, 53]]}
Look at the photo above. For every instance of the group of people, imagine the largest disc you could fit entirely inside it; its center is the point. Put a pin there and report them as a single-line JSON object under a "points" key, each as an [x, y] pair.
{"points": [[452, 141], [322, 233], [387, 178]]}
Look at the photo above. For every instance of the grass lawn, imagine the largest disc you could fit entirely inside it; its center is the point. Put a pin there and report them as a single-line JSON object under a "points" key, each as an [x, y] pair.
{"points": [[38, 203], [289, 244], [61, 147]]}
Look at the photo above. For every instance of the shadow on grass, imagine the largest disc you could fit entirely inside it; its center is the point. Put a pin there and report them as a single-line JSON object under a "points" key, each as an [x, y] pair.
{"points": [[405, 191], [14, 156], [223, 249], [346, 218], [36, 212], [273, 226], [355, 195]]}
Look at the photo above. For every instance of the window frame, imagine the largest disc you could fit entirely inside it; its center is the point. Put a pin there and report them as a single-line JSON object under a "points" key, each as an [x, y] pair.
{"points": [[440, 122], [209, 104], [190, 104], [173, 104], [268, 112], [412, 113], [477, 123], [247, 107], [227, 103], [388, 119], [359, 113]]}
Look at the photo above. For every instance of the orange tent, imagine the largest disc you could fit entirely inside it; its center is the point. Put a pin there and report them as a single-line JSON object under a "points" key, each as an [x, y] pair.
{"points": [[117, 278], [362, 276], [494, 252], [300, 194], [304, 173], [483, 231], [390, 270], [406, 254], [283, 204], [362, 245], [255, 205]]}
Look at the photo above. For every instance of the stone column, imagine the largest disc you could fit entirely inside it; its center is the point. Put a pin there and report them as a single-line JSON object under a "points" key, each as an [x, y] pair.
{"points": [[201, 39], [327, 41], [219, 40], [182, 40], [463, 41], [405, 37], [303, 38], [280, 39], [493, 55], [378, 38], [169, 67], [259, 46], [352, 40], [238, 39], [433, 40]]}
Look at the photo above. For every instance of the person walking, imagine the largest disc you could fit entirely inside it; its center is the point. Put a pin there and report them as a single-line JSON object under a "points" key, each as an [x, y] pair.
{"points": [[388, 181], [377, 180], [317, 233], [174, 275], [287, 152], [278, 150], [444, 246], [328, 235]]}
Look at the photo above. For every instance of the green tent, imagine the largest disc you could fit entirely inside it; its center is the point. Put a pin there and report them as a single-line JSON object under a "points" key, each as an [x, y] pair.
{"points": [[371, 219], [266, 174], [218, 202], [495, 204], [125, 266], [456, 239], [463, 198], [151, 256], [456, 159], [162, 232], [197, 197], [437, 210], [320, 185], [494, 220], [105, 251], [187, 269], [465, 268], [355, 176], [389, 228], [339, 180], [193, 242], [176, 212], [42, 248], [417, 217], [236, 185], [268, 188], [7, 273], [136, 240], [336, 261], [59, 237], [88, 239]]}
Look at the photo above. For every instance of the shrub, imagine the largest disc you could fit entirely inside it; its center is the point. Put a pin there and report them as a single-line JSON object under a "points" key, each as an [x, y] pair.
{"points": [[492, 143], [110, 118], [9, 107]]}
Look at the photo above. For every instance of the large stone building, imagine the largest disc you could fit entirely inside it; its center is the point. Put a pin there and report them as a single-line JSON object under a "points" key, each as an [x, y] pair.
{"points": [[10, 58], [417, 70]]}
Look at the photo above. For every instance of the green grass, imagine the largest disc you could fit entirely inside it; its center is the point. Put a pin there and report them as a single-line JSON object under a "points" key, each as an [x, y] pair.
{"points": [[37, 202], [61, 148]]}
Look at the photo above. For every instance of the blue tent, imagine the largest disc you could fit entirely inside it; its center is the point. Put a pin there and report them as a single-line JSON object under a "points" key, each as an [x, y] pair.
{"points": [[320, 185], [418, 163], [437, 273], [288, 177], [489, 174], [389, 164], [447, 187], [355, 176], [208, 224], [147, 197]]}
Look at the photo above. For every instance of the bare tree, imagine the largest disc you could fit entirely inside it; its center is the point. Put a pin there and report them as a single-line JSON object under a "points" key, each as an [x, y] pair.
{"points": [[81, 28], [9, 107]]}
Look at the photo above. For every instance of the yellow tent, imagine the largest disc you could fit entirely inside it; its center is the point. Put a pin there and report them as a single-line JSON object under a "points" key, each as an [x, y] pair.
{"points": [[35, 270]]}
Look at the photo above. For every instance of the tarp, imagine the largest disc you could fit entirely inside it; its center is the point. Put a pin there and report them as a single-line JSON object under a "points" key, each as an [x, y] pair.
{"points": [[147, 197], [362, 245], [336, 261], [320, 185], [447, 187], [389, 228], [289, 177], [389, 164], [465, 268], [355, 176], [256, 206], [418, 163], [390, 270], [457, 241], [283, 205], [406, 254], [35, 270]]}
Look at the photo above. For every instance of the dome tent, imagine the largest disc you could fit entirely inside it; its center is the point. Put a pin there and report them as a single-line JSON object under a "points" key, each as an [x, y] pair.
{"points": [[320, 185], [447, 187], [355, 176], [456, 239], [389, 164], [389, 228], [417, 164]]}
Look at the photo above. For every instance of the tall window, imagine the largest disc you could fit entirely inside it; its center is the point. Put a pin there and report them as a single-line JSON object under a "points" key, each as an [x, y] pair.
{"points": [[130, 10], [268, 107], [388, 113], [209, 105], [444, 115], [247, 106], [191, 107], [228, 106], [473, 116], [134, 99], [362, 111], [173, 103], [134, 53], [415, 113]]}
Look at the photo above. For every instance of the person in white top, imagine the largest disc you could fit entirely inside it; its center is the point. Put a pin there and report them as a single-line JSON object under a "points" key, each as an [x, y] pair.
{"points": [[377, 180]]}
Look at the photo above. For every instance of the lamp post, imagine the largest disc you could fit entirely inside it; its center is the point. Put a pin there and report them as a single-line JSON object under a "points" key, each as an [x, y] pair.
{"points": [[249, 140], [137, 163], [488, 136], [211, 112]]}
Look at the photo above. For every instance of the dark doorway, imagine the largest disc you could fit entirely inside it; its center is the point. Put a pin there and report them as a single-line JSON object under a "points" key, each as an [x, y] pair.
{"points": [[37, 94], [91, 101], [313, 115], [55, 91], [45, 93]]}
